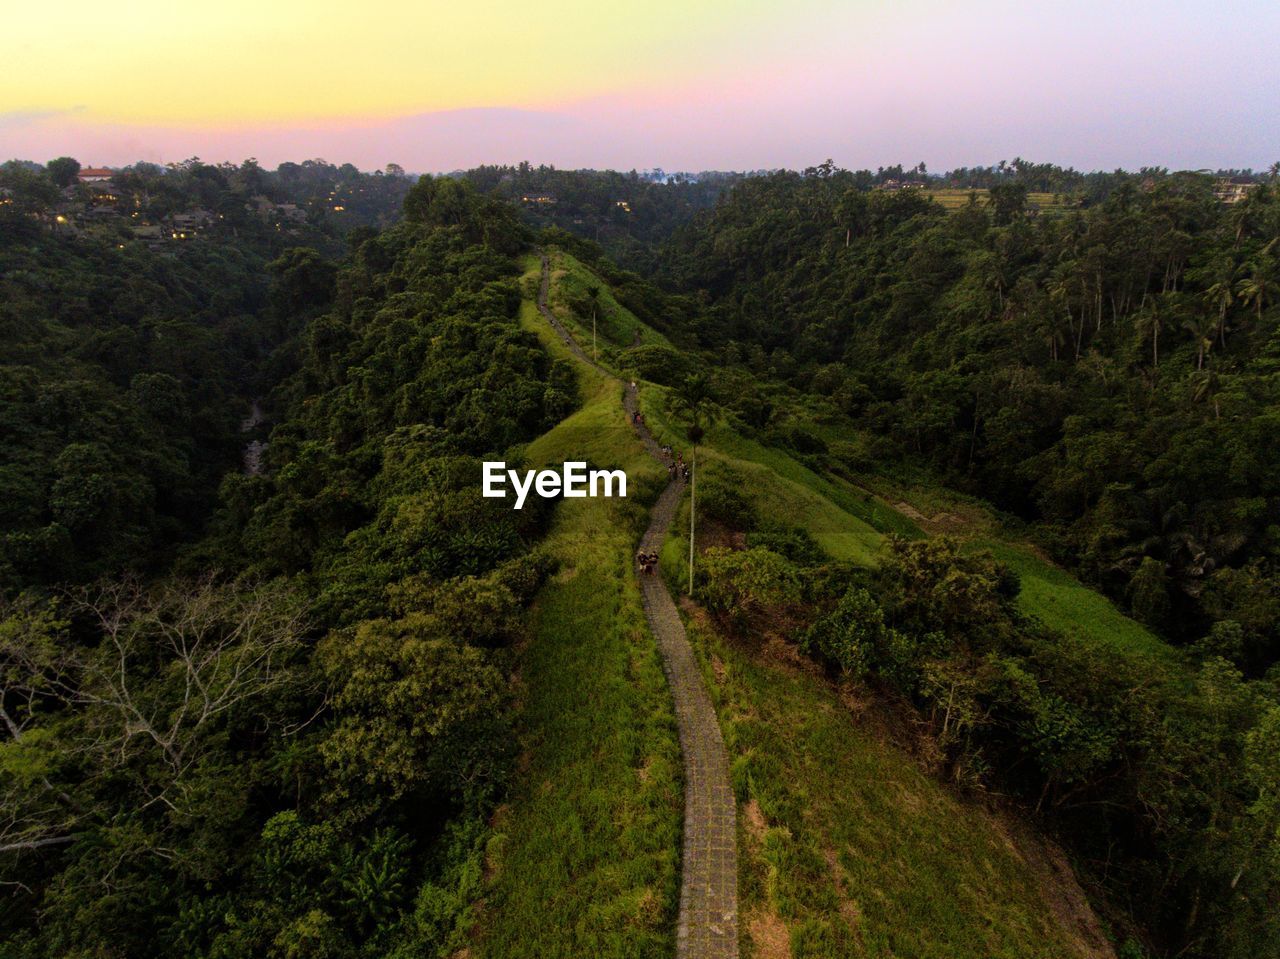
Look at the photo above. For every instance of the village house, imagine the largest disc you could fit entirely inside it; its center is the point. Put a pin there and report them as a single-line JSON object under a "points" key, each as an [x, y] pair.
{"points": [[191, 221], [542, 199], [93, 174], [1232, 189], [895, 185]]}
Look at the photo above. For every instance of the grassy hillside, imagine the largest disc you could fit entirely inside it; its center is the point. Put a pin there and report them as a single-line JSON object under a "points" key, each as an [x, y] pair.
{"points": [[850, 523], [584, 860], [617, 328], [953, 199], [847, 848]]}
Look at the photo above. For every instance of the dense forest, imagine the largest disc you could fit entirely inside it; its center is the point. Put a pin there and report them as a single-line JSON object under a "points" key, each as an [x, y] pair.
{"points": [[627, 214], [1107, 376], [261, 731], [270, 711]]}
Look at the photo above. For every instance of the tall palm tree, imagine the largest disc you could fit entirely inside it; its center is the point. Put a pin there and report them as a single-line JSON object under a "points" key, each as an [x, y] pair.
{"points": [[1200, 327], [1150, 323], [1206, 386], [1217, 276], [593, 293], [692, 402], [1257, 287]]}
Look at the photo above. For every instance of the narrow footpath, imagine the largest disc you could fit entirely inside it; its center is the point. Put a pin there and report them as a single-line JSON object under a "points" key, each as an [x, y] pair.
{"points": [[708, 923]]}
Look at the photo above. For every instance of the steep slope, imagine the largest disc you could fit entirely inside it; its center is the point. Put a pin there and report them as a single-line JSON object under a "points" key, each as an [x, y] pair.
{"points": [[845, 846], [585, 855]]}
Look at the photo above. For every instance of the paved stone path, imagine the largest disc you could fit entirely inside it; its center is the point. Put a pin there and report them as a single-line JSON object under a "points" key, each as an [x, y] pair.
{"points": [[556, 325], [708, 923]]}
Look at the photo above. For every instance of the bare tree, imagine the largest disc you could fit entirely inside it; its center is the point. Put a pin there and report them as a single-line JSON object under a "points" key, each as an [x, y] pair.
{"points": [[166, 665]]}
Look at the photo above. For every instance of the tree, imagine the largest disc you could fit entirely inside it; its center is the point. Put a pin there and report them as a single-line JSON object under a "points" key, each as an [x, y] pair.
{"points": [[1257, 287], [1149, 324], [63, 170], [1201, 329], [692, 401], [419, 712], [1205, 386], [1149, 593], [142, 709], [747, 582], [1219, 293], [593, 294], [1008, 200], [849, 636]]}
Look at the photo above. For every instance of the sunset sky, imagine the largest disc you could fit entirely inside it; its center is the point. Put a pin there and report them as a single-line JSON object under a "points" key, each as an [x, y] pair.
{"points": [[683, 85]]}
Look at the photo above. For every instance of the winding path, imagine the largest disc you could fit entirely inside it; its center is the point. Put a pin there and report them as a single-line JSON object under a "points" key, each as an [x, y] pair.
{"points": [[708, 923]]}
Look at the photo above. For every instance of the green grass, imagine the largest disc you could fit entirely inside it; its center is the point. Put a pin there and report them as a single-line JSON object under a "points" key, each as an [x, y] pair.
{"points": [[617, 328], [584, 859], [853, 849], [1049, 593], [1063, 603], [848, 849], [782, 489], [953, 199]]}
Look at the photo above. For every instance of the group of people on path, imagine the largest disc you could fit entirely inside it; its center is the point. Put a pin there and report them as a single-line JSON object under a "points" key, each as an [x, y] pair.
{"points": [[676, 466], [647, 560]]}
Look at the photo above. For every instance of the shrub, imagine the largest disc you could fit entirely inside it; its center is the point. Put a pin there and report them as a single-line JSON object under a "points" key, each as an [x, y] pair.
{"points": [[746, 582], [721, 499], [848, 637]]}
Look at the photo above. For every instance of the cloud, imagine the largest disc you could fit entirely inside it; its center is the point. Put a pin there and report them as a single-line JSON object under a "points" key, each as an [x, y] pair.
{"points": [[17, 119]]}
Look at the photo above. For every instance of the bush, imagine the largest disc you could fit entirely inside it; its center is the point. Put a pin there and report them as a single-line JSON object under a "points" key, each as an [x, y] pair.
{"points": [[722, 500], [849, 637], [746, 582], [793, 542], [657, 364]]}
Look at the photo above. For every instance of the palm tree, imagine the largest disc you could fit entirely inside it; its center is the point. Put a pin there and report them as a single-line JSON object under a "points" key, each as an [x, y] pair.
{"points": [[1201, 329], [1205, 386], [593, 293], [1150, 322], [1256, 288], [1217, 275], [692, 401]]}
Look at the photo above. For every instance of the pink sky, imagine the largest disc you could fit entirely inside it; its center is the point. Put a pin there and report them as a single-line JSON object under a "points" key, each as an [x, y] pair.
{"points": [[1170, 84]]}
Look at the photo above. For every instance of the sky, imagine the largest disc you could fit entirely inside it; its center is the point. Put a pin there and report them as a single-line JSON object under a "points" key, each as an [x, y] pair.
{"points": [[688, 85]]}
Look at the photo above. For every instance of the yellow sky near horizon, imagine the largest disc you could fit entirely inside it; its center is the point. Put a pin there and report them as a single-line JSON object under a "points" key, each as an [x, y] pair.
{"points": [[157, 61]]}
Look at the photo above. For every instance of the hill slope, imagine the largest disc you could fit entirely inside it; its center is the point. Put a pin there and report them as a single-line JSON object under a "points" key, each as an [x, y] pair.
{"points": [[847, 848]]}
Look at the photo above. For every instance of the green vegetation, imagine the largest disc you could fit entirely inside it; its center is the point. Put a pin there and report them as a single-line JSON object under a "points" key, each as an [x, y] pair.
{"points": [[952, 199], [297, 752], [848, 849], [626, 213], [617, 327], [1062, 603], [1105, 376], [341, 705], [584, 858]]}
